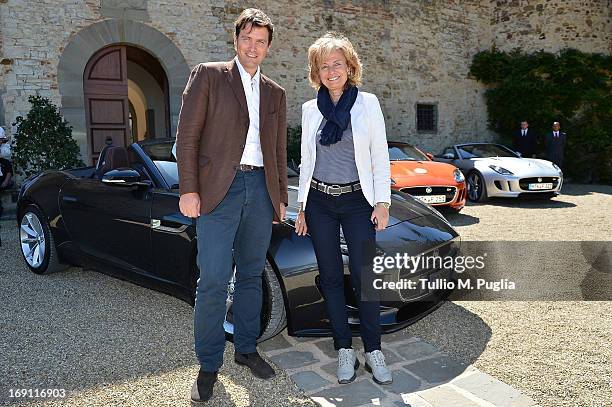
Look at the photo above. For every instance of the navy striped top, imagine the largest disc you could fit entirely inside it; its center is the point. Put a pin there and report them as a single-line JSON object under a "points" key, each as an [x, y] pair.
{"points": [[335, 164]]}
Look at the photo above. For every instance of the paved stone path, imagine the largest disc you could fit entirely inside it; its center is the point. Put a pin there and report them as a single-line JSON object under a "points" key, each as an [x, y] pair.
{"points": [[422, 376]]}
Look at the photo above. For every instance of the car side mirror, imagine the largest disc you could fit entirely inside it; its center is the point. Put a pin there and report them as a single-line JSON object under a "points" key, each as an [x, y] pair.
{"points": [[448, 156], [430, 156], [126, 177]]}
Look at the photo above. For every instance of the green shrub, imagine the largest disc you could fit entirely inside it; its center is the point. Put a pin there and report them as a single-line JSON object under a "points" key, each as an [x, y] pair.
{"points": [[294, 139], [43, 140]]}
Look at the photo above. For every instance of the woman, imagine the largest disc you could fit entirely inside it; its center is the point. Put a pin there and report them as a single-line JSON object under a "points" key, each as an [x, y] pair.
{"points": [[344, 181]]}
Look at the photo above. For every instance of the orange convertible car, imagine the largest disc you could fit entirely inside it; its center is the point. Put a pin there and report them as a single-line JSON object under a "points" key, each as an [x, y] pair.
{"points": [[435, 183]]}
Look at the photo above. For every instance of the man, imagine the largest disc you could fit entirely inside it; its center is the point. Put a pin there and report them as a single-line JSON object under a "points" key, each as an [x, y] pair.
{"points": [[524, 140], [232, 160], [5, 145], [6, 178], [555, 144]]}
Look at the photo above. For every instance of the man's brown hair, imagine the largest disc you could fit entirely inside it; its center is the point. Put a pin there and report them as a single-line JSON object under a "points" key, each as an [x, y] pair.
{"points": [[256, 18]]}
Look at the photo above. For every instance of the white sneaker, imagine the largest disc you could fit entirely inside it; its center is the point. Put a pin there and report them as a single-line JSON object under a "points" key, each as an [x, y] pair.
{"points": [[347, 365], [375, 364]]}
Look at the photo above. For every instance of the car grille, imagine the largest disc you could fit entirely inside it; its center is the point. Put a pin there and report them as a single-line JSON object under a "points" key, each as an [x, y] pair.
{"points": [[429, 274], [448, 192], [524, 182]]}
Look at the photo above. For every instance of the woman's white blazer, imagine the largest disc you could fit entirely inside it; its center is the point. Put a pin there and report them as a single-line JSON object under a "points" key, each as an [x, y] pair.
{"points": [[370, 142]]}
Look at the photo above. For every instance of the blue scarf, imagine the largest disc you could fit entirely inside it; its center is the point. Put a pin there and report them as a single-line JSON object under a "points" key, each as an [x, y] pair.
{"points": [[338, 116]]}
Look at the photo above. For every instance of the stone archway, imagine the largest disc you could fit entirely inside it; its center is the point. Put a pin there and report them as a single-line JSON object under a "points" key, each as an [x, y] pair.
{"points": [[90, 40]]}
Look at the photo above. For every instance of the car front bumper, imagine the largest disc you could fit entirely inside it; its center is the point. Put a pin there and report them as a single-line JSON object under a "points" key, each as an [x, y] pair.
{"points": [[455, 194], [511, 187]]}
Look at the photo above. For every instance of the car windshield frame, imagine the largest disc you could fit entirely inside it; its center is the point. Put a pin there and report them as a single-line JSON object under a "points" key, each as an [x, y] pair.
{"points": [[468, 155], [414, 153]]}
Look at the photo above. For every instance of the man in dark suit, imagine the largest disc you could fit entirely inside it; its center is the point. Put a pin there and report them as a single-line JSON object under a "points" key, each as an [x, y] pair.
{"points": [[6, 178], [555, 144], [524, 140], [232, 161]]}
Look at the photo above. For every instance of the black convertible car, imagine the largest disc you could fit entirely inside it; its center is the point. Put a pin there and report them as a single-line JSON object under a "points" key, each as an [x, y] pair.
{"points": [[121, 217]]}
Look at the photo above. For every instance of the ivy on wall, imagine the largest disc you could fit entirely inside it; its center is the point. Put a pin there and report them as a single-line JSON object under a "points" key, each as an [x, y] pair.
{"points": [[294, 140], [571, 87]]}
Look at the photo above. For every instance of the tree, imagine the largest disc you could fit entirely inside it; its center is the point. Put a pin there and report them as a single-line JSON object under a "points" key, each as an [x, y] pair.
{"points": [[43, 140]]}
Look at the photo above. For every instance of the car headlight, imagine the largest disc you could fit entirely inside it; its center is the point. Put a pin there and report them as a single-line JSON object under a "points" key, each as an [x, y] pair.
{"points": [[393, 181], [556, 167], [500, 170], [458, 175]]}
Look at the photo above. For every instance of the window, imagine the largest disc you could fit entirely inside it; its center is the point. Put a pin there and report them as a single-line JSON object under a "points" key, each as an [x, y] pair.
{"points": [[427, 117]]}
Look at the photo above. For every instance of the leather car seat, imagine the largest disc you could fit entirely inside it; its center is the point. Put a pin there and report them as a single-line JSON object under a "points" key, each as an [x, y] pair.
{"points": [[112, 159]]}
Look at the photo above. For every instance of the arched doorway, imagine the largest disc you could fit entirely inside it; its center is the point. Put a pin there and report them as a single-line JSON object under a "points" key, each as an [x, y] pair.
{"points": [[126, 97], [90, 40]]}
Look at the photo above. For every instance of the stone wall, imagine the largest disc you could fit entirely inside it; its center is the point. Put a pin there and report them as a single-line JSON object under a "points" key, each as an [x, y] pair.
{"points": [[412, 51], [552, 25], [416, 51]]}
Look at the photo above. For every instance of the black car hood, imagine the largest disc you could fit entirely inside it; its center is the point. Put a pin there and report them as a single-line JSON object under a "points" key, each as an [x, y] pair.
{"points": [[403, 206]]}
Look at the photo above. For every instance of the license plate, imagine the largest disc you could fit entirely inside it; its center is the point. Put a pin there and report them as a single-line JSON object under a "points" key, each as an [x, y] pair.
{"points": [[544, 185], [431, 198]]}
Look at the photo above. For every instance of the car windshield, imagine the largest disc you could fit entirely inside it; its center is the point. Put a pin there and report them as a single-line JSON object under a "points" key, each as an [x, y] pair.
{"points": [[164, 160], [405, 153], [484, 151]]}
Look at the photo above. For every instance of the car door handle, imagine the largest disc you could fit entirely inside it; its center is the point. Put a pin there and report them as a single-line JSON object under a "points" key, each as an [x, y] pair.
{"points": [[68, 198], [157, 225]]}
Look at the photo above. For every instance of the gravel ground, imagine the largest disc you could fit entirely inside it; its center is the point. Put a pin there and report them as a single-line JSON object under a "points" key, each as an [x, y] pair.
{"points": [[109, 342], [559, 353]]}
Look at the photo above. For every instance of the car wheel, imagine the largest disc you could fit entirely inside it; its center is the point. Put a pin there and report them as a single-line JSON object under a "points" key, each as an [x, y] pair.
{"points": [[273, 314], [37, 244], [476, 189]]}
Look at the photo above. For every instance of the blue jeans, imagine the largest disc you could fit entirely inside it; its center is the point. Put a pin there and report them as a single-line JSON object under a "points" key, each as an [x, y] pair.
{"points": [[238, 229], [324, 215]]}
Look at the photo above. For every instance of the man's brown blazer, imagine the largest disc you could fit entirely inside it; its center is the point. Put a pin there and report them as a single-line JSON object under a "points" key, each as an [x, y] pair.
{"points": [[212, 129]]}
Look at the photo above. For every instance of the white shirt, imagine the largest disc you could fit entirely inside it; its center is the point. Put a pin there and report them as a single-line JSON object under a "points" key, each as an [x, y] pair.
{"points": [[524, 132], [556, 134], [5, 150], [252, 154]]}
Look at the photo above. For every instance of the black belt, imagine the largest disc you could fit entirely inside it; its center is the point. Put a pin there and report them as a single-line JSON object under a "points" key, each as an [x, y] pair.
{"points": [[335, 190], [247, 168]]}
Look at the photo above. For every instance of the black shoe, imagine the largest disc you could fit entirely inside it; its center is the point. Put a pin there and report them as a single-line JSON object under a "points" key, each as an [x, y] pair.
{"points": [[259, 367], [202, 389]]}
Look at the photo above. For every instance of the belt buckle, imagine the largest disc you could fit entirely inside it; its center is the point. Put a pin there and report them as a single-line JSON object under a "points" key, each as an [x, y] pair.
{"points": [[337, 187]]}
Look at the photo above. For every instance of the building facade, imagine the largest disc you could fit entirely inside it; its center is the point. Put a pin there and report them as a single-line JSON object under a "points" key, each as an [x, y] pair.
{"points": [[117, 68]]}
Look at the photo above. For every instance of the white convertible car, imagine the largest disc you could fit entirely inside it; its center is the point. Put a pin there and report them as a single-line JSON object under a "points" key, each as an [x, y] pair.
{"points": [[493, 170]]}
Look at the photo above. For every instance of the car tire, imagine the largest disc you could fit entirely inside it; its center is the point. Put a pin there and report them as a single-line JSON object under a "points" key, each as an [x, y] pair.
{"points": [[37, 243], [476, 188], [273, 313]]}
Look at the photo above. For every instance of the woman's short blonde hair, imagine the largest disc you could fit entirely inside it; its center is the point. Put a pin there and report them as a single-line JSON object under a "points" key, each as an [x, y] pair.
{"points": [[323, 47]]}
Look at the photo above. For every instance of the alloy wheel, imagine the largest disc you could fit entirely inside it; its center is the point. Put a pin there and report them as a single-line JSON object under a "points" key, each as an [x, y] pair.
{"points": [[32, 237], [228, 322], [473, 186]]}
